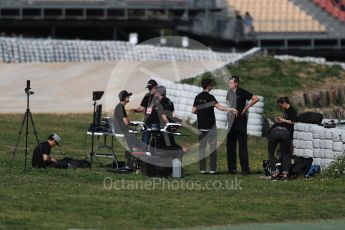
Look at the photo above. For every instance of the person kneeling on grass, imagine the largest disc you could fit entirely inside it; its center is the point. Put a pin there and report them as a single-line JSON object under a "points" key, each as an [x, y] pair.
{"points": [[41, 155]]}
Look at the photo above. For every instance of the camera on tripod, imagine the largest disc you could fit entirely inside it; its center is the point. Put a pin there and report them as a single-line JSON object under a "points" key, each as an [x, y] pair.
{"points": [[28, 89]]}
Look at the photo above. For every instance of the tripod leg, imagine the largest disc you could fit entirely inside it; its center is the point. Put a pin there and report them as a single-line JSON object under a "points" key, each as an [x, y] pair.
{"points": [[19, 134], [34, 127]]}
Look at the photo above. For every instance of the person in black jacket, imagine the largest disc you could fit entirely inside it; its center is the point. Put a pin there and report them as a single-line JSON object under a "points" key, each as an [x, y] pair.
{"points": [[282, 133]]}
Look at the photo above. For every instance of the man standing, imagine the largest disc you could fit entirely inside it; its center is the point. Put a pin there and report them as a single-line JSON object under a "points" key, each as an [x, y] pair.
{"points": [[203, 106], [149, 106], [41, 155], [238, 125]]}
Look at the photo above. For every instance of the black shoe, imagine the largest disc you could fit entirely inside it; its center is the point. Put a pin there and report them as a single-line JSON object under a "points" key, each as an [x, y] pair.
{"points": [[233, 172]]}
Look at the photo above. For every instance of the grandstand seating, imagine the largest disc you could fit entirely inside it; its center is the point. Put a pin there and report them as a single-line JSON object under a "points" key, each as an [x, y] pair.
{"points": [[335, 7], [65, 1], [19, 50], [277, 16]]}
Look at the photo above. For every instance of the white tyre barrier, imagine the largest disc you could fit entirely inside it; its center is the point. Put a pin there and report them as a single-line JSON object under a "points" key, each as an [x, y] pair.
{"points": [[301, 144], [316, 153], [221, 117], [307, 153], [196, 90], [328, 134], [254, 116], [255, 128], [298, 152], [309, 128], [179, 87], [186, 87], [253, 133], [316, 131], [308, 136], [336, 135], [316, 144], [300, 135], [221, 124], [337, 146], [329, 154], [296, 144], [319, 153], [308, 145], [180, 107], [322, 134], [299, 127], [322, 144], [221, 100], [189, 103], [255, 121], [220, 93], [303, 136], [343, 136], [328, 144], [316, 161], [259, 104], [256, 110]]}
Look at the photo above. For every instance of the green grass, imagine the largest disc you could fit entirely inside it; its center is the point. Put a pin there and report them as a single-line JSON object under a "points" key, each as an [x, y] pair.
{"points": [[272, 78], [60, 199]]}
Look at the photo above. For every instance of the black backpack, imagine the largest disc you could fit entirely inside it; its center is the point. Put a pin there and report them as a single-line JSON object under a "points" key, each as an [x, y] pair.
{"points": [[301, 167], [310, 118]]}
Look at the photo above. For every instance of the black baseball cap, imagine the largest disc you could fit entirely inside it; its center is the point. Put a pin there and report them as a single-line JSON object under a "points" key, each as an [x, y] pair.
{"points": [[151, 83], [123, 94]]}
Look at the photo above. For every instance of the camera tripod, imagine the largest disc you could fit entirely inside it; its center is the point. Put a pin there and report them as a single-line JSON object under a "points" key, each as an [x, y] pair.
{"points": [[26, 118]]}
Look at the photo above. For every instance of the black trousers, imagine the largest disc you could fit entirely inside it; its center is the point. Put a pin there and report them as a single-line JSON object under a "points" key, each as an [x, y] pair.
{"points": [[282, 137], [237, 134]]}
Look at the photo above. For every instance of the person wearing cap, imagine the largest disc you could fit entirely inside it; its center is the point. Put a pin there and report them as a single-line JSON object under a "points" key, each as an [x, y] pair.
{"points": [[41, 155], [204, 104], [149, 107], [121, 120], [166, 109], [237, 130], [121, 123], [166, 113]]}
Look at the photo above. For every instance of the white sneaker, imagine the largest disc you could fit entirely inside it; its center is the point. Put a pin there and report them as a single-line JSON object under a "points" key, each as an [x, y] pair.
{"points": [[203, 172], [213, 172]]}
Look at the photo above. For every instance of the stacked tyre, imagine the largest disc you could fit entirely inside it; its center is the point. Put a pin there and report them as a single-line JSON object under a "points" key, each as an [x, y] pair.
{"points": [[303, 140], [319, 145], [255, 118], [221, 117]]}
